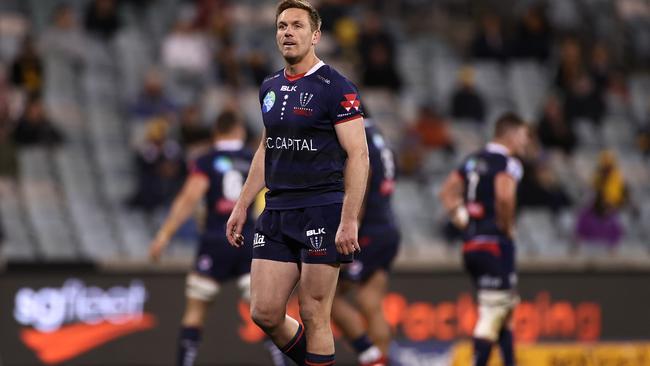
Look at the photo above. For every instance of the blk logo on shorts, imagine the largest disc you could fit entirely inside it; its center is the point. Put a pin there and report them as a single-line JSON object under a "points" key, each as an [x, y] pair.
{"points": [[316, 237], [258, 241]]}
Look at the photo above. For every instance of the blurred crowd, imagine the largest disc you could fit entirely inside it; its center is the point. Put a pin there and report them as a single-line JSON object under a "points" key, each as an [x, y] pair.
{"points": [[212, 44]]}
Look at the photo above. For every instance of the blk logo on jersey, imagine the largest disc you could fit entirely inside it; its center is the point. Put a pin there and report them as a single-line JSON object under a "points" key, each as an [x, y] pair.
{"points": [[350, 102], [287, 88]]}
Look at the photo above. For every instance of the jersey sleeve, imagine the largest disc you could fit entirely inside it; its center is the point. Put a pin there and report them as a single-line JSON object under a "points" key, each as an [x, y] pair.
{"points": [[514, 168], [344, 102], [200, 167]]}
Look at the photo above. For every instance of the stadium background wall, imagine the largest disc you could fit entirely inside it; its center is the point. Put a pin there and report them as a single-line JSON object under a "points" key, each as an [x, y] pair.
{"points": [[426, 309]]}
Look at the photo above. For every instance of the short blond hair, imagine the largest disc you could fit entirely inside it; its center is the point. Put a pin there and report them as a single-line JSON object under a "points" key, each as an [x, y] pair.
{"points": [[314, 18]]}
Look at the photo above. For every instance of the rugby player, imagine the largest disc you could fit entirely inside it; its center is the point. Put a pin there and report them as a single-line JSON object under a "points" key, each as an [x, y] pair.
{"points": [[480, 198], [363, 324], [313, 159], [216, 177]]}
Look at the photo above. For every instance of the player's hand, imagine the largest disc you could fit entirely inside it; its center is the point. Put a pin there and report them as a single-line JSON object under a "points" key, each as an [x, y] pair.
{"points": [[234, 227], [157, 247], [347, 238], [459, 217]]}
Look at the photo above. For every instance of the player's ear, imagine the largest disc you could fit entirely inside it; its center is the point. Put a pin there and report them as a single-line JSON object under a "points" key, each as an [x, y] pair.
{"points": [[315, 38]]}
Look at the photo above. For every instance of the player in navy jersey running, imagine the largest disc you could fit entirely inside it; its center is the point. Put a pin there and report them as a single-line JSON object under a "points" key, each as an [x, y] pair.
{"points": [[216, 177], [363, 323], [313, 159], [480, 197]]}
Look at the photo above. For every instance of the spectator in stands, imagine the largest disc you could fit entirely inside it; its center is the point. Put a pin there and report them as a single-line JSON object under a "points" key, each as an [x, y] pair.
{"points": [[553, 130], [583, 102], [432, 130], [643, 140], [160, 168], [600, 68], [8, 162], [63, 39], [259, 66], [228, 64], [489, 42], [540, 187], [533, 36], [153, 101], [466, 102], [35, 128], [571, 64], [377, 53], [187, 58], [27, 69], [598, 222], [102, 19]]}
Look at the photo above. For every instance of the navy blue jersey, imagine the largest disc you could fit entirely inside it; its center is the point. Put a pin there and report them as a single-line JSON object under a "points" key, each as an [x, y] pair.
{"points": [[378, 212], [304, 160], [478, 172], [226, 166]]}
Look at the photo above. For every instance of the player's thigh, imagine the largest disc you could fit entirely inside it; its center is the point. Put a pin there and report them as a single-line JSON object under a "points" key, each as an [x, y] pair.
{"points": [[371, 292], [317, 288], [272, 283]]}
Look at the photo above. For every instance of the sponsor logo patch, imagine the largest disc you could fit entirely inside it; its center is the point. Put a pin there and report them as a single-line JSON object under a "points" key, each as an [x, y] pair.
{"points": [[268, 101]]}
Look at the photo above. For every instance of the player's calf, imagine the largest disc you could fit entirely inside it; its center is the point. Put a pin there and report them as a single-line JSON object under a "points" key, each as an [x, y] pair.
{"points": [[495, 307]]}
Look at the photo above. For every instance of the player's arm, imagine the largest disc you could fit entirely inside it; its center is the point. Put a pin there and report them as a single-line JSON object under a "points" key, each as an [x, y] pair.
{"points": [[505, 196], [194, 189], [364, 203], [451, 196], [352, 136], [253, 185]]}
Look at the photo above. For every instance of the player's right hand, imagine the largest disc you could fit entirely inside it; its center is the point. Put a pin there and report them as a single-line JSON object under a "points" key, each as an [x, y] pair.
{"points": [[156, 248], [234, 227], [460, 217]]}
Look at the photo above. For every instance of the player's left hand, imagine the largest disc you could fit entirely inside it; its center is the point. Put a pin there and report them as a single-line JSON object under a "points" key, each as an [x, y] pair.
{"points": [[157, 247], [347, 238]]}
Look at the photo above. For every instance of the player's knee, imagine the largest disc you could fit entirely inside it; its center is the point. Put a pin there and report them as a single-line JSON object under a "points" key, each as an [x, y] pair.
{"points": [[494, 309], [200, 288], [244, 285], [266, 317], [314, 312]]}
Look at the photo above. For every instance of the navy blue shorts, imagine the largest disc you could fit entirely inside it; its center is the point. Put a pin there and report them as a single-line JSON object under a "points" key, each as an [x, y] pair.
{"points": [[379, 248], [490, 260], [217, 259], [299, 235]]}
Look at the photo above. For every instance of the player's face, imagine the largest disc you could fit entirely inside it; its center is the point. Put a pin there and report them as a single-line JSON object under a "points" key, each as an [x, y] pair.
{"points": [[294, 36], [520, 140]]}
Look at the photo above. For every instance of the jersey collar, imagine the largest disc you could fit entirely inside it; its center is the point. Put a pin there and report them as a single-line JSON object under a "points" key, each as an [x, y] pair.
{"points": [[494, 147], [229, 145], [298, 76]]}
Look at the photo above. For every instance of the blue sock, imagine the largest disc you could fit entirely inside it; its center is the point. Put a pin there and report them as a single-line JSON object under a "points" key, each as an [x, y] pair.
{"points": [[507, 348], [319, 360], [188, 344], [297, 347], [361, 344], [482, 349]]}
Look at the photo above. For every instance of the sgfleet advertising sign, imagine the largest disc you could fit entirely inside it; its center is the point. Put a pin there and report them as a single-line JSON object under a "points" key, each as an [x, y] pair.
{"points": [[91, 318], [61, 323]]}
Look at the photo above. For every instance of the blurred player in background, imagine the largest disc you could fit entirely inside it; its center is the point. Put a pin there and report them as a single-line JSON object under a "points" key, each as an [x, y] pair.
{"points": [[314, 160], [216, 177], [363, 323], [480, 197]]}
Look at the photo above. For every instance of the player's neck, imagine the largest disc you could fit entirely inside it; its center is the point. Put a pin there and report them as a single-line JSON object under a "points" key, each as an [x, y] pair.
{"points": [[302, 66]]}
